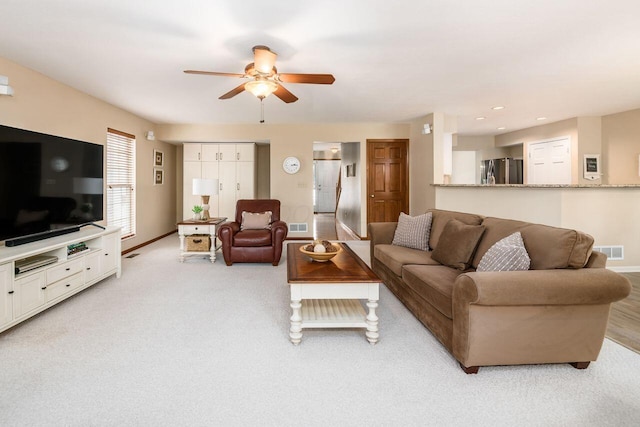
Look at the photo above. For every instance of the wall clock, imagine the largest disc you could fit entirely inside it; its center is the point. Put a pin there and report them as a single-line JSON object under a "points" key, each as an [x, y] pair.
{"points": [[291, 165]]}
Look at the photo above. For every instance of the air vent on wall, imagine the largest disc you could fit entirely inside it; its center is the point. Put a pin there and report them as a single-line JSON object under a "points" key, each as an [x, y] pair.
{"points": [[296, 227], [613, 253]]}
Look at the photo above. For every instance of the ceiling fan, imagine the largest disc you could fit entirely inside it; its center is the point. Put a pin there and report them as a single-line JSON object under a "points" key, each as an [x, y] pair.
{"points": [[264, 78]]}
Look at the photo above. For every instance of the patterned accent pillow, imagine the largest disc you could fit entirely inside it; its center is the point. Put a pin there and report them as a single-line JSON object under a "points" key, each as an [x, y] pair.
{"points": [[256, 221], [508, 254], [413, 231]]}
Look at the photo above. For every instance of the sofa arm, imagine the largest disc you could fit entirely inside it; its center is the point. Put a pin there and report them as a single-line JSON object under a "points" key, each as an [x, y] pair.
{"points": [[540, 287], [380, 233]]}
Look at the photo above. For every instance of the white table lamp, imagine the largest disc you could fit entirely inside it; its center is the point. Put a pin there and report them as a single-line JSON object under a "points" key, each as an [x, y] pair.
{"points": [[205, 188]]}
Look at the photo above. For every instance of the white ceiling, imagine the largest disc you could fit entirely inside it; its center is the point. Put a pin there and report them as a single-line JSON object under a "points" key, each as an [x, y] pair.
{"points": [[393, 60]]}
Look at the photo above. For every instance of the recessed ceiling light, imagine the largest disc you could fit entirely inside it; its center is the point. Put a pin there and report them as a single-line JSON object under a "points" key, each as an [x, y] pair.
{"points": [[501, 128], [498, 107], [541, 118], [480, 118]]}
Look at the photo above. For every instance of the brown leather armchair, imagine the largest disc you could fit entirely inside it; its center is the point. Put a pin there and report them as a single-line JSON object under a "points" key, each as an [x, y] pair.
{"points": [[263, 245]]}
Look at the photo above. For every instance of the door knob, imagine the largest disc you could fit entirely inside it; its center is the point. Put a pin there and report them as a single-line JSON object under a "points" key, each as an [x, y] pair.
{"points": [[373, 195]]}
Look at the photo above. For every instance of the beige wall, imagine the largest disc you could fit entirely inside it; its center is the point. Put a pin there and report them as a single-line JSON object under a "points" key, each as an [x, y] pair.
{"points": [[44, 105], [621, 147], [295, 192], [421, 191]]}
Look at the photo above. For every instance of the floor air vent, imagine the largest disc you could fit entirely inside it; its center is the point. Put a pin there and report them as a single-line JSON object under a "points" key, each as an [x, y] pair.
{"points": [[298, 227], [613, 253], [132, 255]]}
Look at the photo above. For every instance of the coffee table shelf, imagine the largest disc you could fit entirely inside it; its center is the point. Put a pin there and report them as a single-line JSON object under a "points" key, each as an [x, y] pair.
{"points": [[333, 313], [329, 294]]}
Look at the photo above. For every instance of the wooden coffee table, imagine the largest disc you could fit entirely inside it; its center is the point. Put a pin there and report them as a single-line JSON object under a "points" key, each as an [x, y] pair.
{"points": [[327, 294]]}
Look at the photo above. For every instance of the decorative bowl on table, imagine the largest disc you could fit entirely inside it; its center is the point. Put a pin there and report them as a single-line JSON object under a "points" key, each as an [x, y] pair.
{"points": [[330, 251]]}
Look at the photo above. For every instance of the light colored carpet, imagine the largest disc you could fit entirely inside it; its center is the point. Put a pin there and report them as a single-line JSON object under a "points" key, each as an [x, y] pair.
{"points": [[202, 344]]}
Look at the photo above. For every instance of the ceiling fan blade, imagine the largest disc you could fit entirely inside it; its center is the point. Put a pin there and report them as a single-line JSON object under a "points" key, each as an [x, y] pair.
{"points": [[319, 79], [263, 59], [214, 73], [233, 92], [285, 95]]}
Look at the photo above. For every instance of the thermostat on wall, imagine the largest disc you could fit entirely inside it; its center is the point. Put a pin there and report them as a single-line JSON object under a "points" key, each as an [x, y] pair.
{"points": [[591, 166]]}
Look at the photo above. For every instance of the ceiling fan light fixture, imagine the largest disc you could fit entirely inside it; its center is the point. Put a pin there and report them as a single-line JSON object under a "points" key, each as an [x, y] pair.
{"points": [[261, 88]]}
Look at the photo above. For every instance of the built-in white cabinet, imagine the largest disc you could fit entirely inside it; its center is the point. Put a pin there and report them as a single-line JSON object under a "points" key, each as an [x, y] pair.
{"points": [[232, 164], [6, 295], [29, 294], [26, 293]]}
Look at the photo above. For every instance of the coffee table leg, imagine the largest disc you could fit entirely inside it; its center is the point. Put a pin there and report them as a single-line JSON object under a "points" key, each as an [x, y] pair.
{"points": [[372, 322], [295, 333]]}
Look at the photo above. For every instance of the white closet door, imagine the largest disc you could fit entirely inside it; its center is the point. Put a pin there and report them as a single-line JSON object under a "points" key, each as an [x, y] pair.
{"points": [[245, 152], [245, 176], [191, 170], [227, 153], [550, 162], [227, 196], [210, 170], [191, 152], [210, 152]]}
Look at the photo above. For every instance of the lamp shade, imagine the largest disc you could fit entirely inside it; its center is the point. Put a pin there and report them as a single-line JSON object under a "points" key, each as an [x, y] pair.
{"points": [[205, 187]]}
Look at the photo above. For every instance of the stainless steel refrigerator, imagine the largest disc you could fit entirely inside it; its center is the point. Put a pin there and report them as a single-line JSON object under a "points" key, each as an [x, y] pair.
{"points": [[505, 171]]}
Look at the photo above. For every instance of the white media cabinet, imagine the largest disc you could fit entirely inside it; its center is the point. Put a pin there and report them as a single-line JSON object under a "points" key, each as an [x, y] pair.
{"points": [[25, 294]]}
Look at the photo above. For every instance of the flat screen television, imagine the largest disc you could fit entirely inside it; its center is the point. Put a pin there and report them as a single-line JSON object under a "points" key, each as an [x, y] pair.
{"points": [[48, 184]]}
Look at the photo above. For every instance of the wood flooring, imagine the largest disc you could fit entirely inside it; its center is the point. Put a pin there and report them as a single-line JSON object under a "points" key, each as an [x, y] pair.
{"points": [[624, 320]]}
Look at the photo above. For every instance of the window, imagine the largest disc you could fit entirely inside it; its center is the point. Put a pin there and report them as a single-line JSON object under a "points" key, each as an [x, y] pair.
{"points": [[121, 195]]}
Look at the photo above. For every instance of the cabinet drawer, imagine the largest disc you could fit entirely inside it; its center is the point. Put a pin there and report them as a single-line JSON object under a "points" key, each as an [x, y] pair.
{"points": [[63, 286], [64, 270], [195, 229]]}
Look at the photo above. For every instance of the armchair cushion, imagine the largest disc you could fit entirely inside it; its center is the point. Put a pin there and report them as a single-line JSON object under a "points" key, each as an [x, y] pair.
{"points": [[252, 238], [256, 220]]}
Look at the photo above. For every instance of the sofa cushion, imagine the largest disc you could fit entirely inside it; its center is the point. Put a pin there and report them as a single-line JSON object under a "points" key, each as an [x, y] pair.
{"points": [[252, 238], [256, 220], [442, 217], [413, 231], [394, 257], [548, 247], [508, 254], [457, 244], [434, 283]]}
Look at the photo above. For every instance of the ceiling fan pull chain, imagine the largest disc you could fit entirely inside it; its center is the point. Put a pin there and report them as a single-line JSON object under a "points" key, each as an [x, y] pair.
{"points": [[261, 110]]}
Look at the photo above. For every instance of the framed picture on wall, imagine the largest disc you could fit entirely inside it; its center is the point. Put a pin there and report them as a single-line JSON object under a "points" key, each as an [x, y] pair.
{"points": [[158, 158], [158, 176]]}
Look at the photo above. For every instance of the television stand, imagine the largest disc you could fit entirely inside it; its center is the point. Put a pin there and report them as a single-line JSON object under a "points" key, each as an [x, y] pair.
{"points": [[27, 287]]}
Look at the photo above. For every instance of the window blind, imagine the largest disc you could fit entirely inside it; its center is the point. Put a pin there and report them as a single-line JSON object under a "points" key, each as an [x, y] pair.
{"points": [[121, 209]]}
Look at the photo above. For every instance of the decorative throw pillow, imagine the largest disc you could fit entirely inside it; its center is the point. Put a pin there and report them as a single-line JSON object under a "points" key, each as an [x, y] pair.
{"points": [[508, 254], [256, 221], [413, 231], [457, 244]]}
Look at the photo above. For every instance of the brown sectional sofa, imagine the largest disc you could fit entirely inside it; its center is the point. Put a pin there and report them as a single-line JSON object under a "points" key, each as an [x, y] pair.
{"points": [[555, 312]]}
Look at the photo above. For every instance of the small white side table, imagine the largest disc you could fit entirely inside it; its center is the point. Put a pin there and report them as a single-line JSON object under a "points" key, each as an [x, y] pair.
{"points": [[189, 227]]}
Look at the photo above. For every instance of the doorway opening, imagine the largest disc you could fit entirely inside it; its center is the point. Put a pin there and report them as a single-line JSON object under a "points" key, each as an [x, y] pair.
{"points": [[326, 187]]}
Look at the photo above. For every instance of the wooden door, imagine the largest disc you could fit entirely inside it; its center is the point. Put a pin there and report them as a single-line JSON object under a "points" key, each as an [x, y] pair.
{"points": [[387, 179]]}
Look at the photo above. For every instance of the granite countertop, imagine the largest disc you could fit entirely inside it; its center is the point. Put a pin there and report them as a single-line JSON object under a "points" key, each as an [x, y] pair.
{"points": [[537, 185]]}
